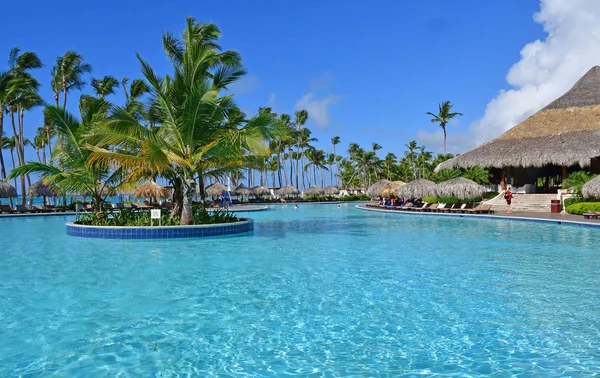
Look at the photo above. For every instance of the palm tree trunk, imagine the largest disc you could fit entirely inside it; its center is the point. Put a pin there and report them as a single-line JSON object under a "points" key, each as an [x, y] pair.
{"points": [[12, 157], [330, 175], [189, 191], [2, 166], [284, 174], [322, 178], [290, 150], [444, 128], [44, 154], [37, 152], [64, 94]]}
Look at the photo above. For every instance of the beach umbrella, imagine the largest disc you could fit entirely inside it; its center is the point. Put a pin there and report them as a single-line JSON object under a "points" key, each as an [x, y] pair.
{"points": [[391, 188], [375, 190], [40, 189], [331, 191], [288, 191], [150, 189], [417, 189], [314, 191], [461, 188], [6, 190], [260, 190], [591, 189], [215, 189], [242, 190]]}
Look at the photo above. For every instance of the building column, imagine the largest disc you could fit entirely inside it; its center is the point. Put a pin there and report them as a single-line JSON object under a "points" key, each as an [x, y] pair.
{"points": [[565, 173], [503, 179]]}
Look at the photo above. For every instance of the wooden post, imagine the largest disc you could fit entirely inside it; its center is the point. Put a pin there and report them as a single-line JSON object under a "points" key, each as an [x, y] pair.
{"points": [[565, 173], [503, 179]]}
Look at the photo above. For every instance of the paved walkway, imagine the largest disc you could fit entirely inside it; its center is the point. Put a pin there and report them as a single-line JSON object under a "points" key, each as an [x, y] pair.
{"points": [[523, 216]]}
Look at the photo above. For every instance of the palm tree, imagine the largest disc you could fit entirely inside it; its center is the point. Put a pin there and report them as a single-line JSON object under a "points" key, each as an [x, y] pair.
{"points": [[67, 75], [444, 116], [335, 141], [39, 143], [136, 90], [411, 156], [305, 140], [376, 147], [5, 144], [389, 161], [201, 132], [301, 118], [10, 144], [478, 174], [105, 86], [330, 161], [6, 94]]}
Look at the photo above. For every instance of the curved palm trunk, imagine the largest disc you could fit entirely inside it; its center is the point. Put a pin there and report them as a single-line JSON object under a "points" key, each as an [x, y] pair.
{"points": [[444, 128], [2, 165], [290, 150], [188, 186], [330, 175]]}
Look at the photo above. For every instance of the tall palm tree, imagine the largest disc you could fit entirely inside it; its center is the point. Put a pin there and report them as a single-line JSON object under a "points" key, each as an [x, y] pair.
{"points": [[301, 118], [411, 156], [335, 141], [330, 161], [201, 131], [6, 89], [389, 162], [10, 144], [39, 143], [376, 147], [133, 94], [304, 144], [4, 145], [67, 75], [444, 116], [105, 86]]}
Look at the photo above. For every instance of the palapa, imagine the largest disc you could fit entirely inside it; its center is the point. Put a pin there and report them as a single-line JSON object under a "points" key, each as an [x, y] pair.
{"points": [[564, 133], [374, 190], [215, 189], [591, 189], [391, 188], [40, 189], [461, 188], [331, 191], [241, 190], [260, 191], [288, 190], [418, 189], [314, 191], [150, 189], [6, 190]]}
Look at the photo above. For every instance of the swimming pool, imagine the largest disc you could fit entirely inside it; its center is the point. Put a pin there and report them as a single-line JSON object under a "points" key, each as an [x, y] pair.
{"points": [[314, 291]]}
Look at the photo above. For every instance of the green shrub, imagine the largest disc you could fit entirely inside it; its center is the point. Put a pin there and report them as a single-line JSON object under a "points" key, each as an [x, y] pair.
{"points": [[132, 218], [355, 197], [490, 195], [570, 201], [583, 207]]}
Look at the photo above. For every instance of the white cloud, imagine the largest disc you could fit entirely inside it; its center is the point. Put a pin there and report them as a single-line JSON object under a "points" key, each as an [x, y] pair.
{"points": [[548, 68], [318, 109], [434, 141], [320, 82], [246, 85], [271, 102]]}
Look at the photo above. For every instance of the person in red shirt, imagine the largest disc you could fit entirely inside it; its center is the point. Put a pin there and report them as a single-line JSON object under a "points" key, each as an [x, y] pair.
{"points": [[508, 196]]}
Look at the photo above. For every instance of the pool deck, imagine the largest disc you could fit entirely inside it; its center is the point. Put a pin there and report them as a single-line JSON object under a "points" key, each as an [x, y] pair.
{"points": [[521, 216]]}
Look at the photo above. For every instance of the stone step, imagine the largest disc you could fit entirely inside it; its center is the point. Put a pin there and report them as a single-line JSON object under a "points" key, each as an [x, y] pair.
{"points": [[523, 202]]}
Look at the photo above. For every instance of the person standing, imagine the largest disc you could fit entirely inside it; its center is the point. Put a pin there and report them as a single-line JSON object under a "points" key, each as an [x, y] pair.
{"points": [[508, 196]]}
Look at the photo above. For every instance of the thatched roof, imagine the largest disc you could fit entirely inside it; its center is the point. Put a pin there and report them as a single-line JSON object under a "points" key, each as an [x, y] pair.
{"points": [[150, 189], [288, 191], [375, 190], [591, 189], [314, 191], [6, 190], [391, 188], [215, 189], [460, 188], [331, 191], [564, 133], [260, 191], [241, 190], [40, 189], [418, 189]]}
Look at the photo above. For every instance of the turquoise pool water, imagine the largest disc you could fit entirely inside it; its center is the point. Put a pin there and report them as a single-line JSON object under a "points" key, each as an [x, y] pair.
{"points": [[318, 291]]}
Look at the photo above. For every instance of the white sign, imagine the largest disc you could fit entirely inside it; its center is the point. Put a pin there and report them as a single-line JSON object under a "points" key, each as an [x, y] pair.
{"points": [[155, 214]]}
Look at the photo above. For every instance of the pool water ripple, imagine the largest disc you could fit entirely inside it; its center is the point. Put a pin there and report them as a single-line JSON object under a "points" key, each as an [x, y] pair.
{"points": [[318, 291]]}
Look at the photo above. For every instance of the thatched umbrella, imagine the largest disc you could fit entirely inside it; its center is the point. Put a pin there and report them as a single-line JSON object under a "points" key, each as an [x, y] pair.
{"points": [[150, 189], [260, 190], [6, 190], [215, 189], [564, 133], [288, 190], [591, 189], [40, 189], [417, 189], [391, 189], [242, 190], [375, 190], [460, 188], [314, 191], [331, 191]]}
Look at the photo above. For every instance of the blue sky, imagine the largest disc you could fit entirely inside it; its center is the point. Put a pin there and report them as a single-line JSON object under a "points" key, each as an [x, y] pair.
{"points": [[369, 71]]}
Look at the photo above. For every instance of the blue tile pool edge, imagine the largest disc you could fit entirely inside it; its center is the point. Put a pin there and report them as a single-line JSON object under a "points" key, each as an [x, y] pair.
{"points": [[159, 232]]}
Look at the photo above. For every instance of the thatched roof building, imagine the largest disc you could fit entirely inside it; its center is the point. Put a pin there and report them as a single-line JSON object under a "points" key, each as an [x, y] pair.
{"points": [[260, 191], [6, 190], [375, 190], [461, 188], [287, 191], [591, 189], [215, 189], [150, 189], [314, 191], [418, 189], [40, 189], [331, 191], [242, 190], [565, 133], [391, 189]]}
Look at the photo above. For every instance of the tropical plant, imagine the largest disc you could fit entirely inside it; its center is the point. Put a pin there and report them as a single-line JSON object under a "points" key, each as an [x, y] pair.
{"points": [[444, 116], [105, 86], [301, 118], [67, 75], [576, 180]]}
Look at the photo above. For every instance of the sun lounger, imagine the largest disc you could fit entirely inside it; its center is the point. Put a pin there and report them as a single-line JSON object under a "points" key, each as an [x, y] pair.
{"points": [[446, 208], [6, 209], [429, 207], [439, 207], [38, 209], [23, 209], [142, 206], [591, 215]]}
